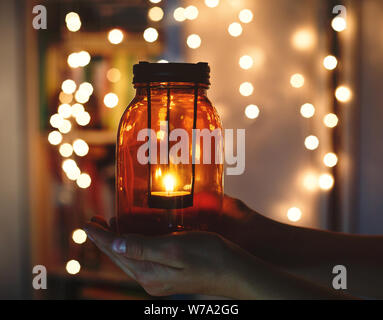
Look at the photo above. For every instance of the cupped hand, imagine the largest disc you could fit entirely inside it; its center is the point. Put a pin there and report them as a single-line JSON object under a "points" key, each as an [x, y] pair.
{"points": [[184, 262]]}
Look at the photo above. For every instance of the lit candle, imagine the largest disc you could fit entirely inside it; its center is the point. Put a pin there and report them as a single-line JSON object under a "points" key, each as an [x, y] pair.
{"points": [[169, 183]]}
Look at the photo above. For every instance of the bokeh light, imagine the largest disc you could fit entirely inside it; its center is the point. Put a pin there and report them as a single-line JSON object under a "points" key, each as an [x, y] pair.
{"points": [[338, 24], [113, 75], [246, 62], [55, 137], [80, 147], [65, 126], [115, 36], [235, 29], [79, 236], [155, 14], [150, 34], [330, 62], [246, 89], [56, 120], [68, 86], [297, 80], [84, 180], [191, 12], [330, 159], [212, 3], [73, 267], [343, 94], [245, 15], [64, 110], [110, 100], [252, 111], [307, 110], [326, 181], [193, 41], [83, 118], [179, 14], [311, 142], [330, 120], [66, 150], [303, 39], [73, 21], [294, 214]]}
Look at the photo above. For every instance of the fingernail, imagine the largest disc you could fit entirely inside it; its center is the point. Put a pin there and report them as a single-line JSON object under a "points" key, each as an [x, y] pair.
{"points": [[119, 246]]}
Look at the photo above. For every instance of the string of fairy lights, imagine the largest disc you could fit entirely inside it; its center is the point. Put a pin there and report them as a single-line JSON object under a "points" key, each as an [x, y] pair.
{"points": [[73, 97]]}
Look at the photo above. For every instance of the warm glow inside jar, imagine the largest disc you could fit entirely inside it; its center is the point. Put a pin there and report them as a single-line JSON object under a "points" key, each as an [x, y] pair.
{"points": [[169, 152]]}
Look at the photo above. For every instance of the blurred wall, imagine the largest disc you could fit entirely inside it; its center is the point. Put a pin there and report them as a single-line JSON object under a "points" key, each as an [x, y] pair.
{"points": [[276, 159], [14, 269], [370, 219]]}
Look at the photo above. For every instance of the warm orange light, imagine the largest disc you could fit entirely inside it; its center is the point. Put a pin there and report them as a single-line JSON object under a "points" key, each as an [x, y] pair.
{"points": [[169, 182]]}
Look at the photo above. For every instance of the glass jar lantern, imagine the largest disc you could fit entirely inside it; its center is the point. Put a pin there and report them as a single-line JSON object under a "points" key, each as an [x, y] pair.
{"points": [[180, 185]]}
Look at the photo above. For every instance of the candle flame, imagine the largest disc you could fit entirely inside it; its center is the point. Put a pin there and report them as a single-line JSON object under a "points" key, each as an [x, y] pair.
{"points": [[169, 182]]}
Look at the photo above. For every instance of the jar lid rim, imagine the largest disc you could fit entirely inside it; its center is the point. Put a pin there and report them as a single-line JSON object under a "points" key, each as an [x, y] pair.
{"points": [[171, 72]]}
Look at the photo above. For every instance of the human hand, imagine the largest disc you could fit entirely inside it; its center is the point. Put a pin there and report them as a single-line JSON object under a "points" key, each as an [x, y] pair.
{"points": [[184, 262]]}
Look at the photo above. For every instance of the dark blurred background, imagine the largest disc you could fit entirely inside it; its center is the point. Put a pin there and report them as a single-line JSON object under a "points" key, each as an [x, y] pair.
{"points": [[304, 81]]}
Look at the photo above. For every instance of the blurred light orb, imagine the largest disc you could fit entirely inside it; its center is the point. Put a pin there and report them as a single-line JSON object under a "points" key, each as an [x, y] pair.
{"points": [[193, 41], [179, 14], [65, 97], [73, 21], [297, 80], [330, 159], [113, 75], [338, 24], [211, 3], [79, 236], [115, 36], [330, 120], [73, 60], [310, 181], [110, 100], [252, 111], [68, 164], [73, 173], [68, 86], [80, 147], [191, 12], [73, 267], [86, 87], [343, 94], [155, 1], [55, 137], [65, 126], [66, 150], [246, 62], [235, 29], [76, 109], [326, 181], [78, 59], [330, 62], [311, 142], [56, 120], [294, 214], [65, 110], [81, 96], [245, 15], [246, 89], [84, 58], [307, 110], [150, 34], [162, 61], [83, 118], [303, 39], [84, 180], [155, 14]]}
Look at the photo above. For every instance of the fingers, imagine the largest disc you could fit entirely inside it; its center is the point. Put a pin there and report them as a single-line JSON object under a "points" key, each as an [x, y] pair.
{"points": [[100, 220], [155, 249]]}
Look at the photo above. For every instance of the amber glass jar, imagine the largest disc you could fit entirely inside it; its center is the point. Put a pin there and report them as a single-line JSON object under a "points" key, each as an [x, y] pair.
{"points": [[177, 188]]}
